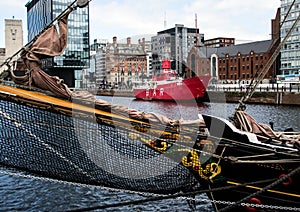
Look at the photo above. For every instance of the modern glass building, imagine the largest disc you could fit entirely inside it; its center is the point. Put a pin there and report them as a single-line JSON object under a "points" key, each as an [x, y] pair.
{"points": [[76, 56], [290, 53]]}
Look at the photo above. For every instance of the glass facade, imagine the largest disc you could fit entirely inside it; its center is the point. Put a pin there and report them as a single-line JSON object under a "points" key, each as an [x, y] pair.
{"points": [[76, 56], [38, 16], [290, 53]]}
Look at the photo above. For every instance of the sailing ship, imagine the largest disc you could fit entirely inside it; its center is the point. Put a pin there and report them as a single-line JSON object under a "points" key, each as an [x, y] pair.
{"points": [[52, 132], [167, 86]]}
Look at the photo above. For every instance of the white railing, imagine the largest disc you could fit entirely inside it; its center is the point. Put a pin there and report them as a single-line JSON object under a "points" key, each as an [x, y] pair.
{"points": [[275, 87]]}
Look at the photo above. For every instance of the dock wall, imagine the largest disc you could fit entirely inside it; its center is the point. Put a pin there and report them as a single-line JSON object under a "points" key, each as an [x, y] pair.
{"points": [[278, 98]]}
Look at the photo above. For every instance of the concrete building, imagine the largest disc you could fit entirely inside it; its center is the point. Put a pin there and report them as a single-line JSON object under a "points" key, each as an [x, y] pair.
{"points": [[175, 43], [13, 36], [99, 44], [95, 76], [13, 40], [2, 58], [69, 65], [290, 53]]}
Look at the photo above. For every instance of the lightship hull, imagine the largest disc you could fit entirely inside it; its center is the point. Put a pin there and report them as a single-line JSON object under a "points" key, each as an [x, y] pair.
{"points": [[187, 89]]}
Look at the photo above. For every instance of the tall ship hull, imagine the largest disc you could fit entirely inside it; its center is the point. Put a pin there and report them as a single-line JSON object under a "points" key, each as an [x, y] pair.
{"points": [[255, 171], [186, 89], [52, 132]]}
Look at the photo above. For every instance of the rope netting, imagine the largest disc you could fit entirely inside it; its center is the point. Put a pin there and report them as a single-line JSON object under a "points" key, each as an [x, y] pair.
{"points": [[115, 147], [79, 150]]}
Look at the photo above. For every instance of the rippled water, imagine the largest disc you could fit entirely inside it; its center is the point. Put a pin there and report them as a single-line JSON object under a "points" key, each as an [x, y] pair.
{"points": [[22, 194]]}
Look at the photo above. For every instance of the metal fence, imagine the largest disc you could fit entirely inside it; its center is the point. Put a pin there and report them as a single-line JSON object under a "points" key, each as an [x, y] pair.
{"points": [[275, 87]]}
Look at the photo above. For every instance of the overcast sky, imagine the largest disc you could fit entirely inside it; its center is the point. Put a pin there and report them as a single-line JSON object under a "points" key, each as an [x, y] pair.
{"points": [[245, 20]]}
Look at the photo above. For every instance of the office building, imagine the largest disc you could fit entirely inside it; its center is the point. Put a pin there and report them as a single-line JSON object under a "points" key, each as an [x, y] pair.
{"points": [[69, 65], [290, 52], [95, 76], [175, 44]]}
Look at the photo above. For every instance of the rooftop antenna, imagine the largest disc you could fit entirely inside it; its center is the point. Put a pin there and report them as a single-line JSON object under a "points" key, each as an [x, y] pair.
{"points": [[196, 30], [165, 20]]}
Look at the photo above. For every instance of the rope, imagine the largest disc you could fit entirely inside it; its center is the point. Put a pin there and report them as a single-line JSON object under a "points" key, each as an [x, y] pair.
{"points": [[270, 61], [280, 180], [70, 8], [267, 161], [46, 145], [182, 145]]}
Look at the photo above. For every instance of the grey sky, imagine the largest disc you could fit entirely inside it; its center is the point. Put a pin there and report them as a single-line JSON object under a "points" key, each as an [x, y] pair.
{"points": [[244, 20]]}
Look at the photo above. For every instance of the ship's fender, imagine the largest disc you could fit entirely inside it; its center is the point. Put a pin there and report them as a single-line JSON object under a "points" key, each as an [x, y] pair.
{"points": [[253, 200], [288, 181]]}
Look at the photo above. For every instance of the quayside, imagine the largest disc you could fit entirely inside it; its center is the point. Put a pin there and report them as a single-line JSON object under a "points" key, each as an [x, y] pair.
{"points": [[55, 133]]}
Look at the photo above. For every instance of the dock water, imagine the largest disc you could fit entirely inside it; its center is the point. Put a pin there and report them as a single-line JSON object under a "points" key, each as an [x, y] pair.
{"points": [[261, 97]]}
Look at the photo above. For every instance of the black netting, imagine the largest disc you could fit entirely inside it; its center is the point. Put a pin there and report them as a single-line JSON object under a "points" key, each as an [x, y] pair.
{"points": [[78, 150]]}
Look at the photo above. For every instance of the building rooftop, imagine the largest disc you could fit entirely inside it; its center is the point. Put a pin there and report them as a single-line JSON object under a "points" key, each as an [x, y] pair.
{"points": [[245, 48]]}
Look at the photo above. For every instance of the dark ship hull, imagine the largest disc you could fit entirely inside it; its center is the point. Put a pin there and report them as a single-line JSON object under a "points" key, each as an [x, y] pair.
{"points": [[262, 173]]}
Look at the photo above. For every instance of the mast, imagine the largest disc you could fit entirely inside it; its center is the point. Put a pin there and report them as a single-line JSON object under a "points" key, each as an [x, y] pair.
{"points": [[196, 30], [165, 21]]}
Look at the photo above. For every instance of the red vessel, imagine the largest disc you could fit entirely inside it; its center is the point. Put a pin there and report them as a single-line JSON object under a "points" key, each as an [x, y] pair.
{"points": [[168, 87]]}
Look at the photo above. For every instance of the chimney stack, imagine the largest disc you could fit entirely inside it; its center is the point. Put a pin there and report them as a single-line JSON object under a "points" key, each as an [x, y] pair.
{"points": [[129, 41], [143, 44], [114, 40]]}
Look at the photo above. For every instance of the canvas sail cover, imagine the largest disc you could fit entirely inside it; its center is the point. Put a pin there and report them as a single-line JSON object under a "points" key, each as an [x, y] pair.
{"points": [[49, 44]]}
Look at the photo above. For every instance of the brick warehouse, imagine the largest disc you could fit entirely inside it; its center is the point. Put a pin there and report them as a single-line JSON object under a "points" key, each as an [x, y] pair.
{"points": [[237, 63]]}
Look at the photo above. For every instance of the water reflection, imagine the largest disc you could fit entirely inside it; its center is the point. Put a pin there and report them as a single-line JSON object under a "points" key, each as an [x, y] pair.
{"points": [[23, 194], [282, 116]]}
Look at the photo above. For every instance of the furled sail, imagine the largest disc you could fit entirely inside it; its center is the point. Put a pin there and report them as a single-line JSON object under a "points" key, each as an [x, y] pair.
{"points": [[48, 44]]}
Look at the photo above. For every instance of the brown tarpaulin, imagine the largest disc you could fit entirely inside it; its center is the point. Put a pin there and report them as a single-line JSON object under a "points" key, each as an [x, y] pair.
{"points": [[48, 44], [247, 123]]}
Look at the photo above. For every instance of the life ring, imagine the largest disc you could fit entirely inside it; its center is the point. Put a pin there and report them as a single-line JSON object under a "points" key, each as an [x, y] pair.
{"points": [[253, 200], [288, 181]]}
